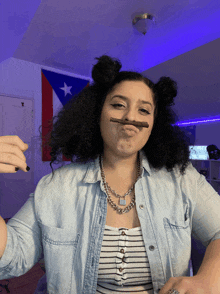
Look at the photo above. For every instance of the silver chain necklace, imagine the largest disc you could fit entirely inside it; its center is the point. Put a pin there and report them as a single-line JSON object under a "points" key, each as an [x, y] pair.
{"points": [[122, 201]]}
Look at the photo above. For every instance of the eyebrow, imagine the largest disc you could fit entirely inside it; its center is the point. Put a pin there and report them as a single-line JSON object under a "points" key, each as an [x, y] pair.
{"points": [[125, 98]]}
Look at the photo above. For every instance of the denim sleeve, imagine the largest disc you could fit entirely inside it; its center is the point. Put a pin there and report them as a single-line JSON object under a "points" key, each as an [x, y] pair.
{"points": [[206, 215], [24, 247]]}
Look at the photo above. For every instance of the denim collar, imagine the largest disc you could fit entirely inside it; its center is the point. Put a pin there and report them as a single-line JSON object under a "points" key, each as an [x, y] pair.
{"points": [[93, 173]]}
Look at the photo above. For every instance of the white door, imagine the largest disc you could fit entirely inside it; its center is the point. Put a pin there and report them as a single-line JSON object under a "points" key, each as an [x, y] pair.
{"points": [[16, 118]]}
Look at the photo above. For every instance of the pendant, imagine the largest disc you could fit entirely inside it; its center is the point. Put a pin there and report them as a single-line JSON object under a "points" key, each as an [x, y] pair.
{"points": [[122, 202]]}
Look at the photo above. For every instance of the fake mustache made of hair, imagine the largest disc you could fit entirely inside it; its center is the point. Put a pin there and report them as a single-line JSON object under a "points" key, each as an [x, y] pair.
{"points": [[134, 123]]}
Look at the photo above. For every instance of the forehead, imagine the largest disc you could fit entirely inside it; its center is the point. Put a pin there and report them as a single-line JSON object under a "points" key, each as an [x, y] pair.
{"points": [[133, 90]]}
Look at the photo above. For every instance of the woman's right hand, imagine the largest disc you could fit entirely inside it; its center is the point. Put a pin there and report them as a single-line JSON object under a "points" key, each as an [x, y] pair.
{"points": [[11, 154]]}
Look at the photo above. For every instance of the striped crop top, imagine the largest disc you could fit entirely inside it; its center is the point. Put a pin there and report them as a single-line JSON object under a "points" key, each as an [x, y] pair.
{"points": [[123, 263]]}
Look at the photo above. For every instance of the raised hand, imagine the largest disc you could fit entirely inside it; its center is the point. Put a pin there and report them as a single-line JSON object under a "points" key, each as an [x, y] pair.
{"points": [[11, 154]]}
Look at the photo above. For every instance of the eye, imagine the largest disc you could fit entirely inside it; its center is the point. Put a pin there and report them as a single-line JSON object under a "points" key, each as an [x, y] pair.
{"points": [[144, 110], [115, 105], [119, 105]]}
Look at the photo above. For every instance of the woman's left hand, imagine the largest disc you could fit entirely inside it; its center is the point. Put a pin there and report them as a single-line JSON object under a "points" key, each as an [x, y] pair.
{"points": [[190, 285]]}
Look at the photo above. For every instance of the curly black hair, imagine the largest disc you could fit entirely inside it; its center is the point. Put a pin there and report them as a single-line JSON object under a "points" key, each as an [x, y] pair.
{"points": [[76, 132]]}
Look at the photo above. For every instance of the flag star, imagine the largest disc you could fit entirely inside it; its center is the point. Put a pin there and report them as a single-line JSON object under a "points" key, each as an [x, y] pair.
{"points": [[66, 89]]}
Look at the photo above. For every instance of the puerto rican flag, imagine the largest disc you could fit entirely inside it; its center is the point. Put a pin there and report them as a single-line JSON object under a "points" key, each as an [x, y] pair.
{"points": [[57, 90]]}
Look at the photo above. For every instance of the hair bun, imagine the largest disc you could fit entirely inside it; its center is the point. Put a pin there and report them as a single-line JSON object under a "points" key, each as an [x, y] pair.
{"points": [[167, 90], [106, 69]]}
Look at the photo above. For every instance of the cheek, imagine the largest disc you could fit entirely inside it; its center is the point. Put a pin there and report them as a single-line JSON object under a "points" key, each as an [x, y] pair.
{"points": [[107, 130], [147, 133]]}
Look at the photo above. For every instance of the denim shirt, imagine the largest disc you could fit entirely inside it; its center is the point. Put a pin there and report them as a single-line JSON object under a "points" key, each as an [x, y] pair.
{"points": [[63, 221]]}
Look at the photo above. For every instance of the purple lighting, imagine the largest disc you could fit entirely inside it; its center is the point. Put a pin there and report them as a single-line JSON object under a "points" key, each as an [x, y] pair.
{"points": [[197, 121]]}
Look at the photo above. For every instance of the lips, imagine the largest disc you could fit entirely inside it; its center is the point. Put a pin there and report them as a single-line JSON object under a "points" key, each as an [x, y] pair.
{"points": [[130, 127]]}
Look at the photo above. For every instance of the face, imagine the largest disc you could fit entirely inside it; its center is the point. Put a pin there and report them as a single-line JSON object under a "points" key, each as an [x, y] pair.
{"points": [[116, 136]]}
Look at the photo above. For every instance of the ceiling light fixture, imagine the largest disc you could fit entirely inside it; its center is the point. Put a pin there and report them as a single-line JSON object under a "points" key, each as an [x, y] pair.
{"points": [[143, 22]]}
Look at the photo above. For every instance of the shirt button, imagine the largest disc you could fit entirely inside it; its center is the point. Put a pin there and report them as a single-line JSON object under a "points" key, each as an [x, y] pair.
{"points": [[122, 251], [151, 248], [141, 206], [123, 259], [123, 233], [121, 269]]}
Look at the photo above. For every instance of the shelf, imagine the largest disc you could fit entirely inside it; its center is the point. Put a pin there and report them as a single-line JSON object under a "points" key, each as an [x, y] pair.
{"points": [[206, 161], [210, 169]]}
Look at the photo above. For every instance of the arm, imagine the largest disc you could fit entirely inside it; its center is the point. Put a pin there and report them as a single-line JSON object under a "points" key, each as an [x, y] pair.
{"points": [[206, 281], [210, 267], [3, 236], [206, 228], [23, 246]]}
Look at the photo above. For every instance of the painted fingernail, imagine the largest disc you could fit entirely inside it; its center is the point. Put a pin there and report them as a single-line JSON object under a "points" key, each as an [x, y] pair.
{"points": [[27, 168], [17, 168]]}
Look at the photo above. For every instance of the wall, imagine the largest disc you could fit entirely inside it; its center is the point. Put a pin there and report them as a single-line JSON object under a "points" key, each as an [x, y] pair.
{"points": [[22, 78], [208, 134]]}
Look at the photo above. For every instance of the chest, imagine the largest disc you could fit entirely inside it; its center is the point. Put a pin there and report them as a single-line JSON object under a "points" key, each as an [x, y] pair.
{"points": [[127, 220], [121, 185]]}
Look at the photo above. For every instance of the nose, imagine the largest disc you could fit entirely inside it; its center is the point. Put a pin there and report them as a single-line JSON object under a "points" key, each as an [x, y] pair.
{"points": [[130, 116]]}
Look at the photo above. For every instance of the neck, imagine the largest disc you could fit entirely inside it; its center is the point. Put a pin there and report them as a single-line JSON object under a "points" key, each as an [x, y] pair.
{"points": [[120, 165]]}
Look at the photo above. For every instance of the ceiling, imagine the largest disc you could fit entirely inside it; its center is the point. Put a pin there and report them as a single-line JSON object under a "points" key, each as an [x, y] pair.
{"points": [[197, 73], [183, 43]]}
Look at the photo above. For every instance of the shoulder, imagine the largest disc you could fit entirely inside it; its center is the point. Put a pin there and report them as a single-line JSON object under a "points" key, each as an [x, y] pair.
{"points": [[190, 175], [190, 171], [190, 180], [63, 177]]}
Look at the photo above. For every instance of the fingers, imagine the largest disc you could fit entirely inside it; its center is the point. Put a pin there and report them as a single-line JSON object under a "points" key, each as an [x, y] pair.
{"points": [[14, 140], [26, 147], [11, 154], [8, 168], [11, 158], [8, 151]]}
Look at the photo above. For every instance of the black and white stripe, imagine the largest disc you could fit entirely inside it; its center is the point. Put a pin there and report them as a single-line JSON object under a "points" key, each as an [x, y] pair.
{"points": [[123, 248]]}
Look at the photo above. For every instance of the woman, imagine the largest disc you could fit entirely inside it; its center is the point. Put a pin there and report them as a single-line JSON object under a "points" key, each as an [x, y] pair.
{"points": [[120, 218]]}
